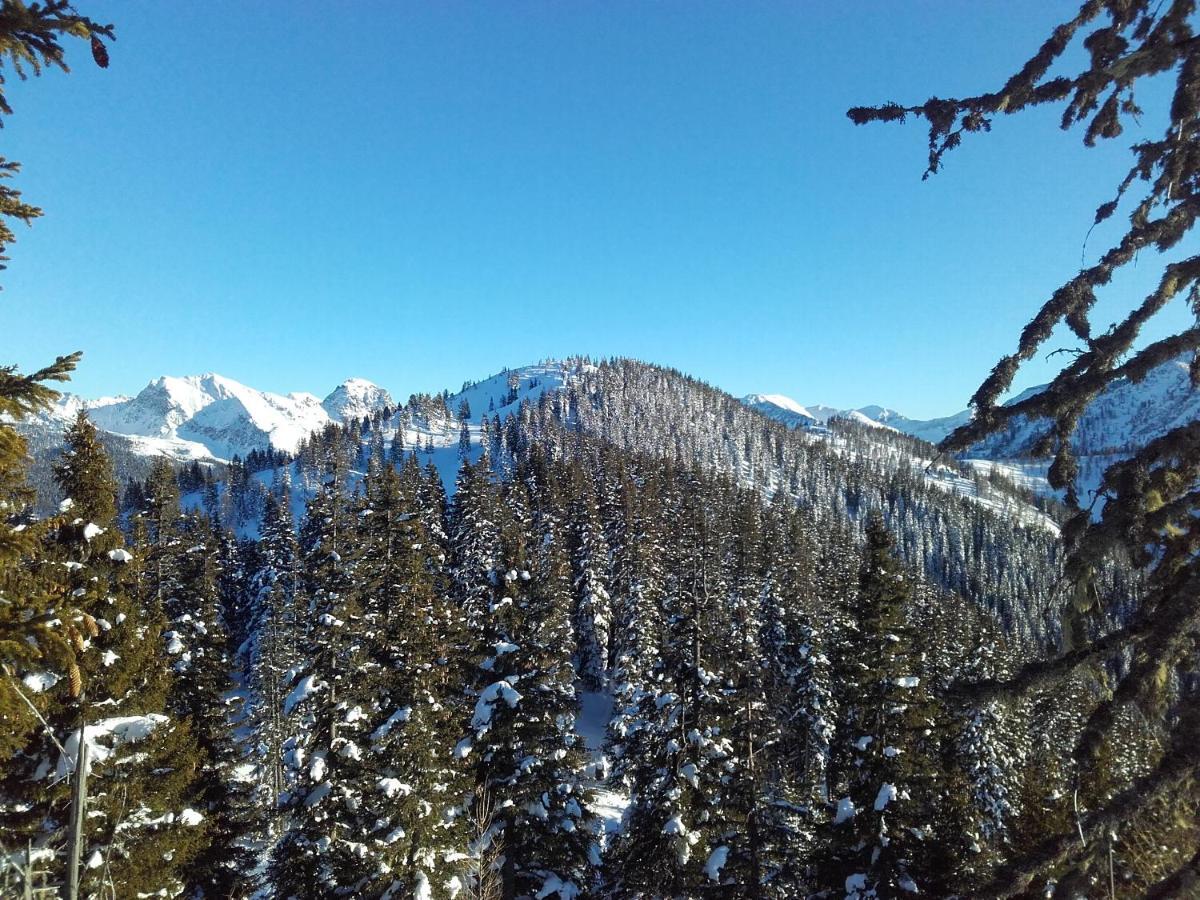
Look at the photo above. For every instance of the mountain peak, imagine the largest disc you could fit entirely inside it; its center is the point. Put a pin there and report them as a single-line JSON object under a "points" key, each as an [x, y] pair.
{"points": [[355, 398], [780, 407], [193, 416]]}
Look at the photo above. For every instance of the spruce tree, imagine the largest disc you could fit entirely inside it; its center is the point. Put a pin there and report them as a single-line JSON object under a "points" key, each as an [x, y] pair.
{"points": [[322, 851], [31, 639], [593, 605], [877, 827], [410, 629], [527, 757], [679, 755], [203, 693], [142, 832]]}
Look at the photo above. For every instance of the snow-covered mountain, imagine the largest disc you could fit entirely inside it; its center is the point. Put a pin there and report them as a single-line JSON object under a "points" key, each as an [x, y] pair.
{"points": [[211, 417], [355, 398], [1125, 415], [219, 414], [781, 408]]}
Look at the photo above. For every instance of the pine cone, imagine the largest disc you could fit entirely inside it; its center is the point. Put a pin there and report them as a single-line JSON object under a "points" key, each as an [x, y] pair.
{"points": [[75, 679], [99, 52], [90, 626]]}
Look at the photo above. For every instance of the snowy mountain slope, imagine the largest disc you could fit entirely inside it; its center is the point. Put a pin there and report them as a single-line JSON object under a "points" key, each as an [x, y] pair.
{"points": [[931, 430], [503, 393], [210, 417], [782, 409], [432, 436], [355, 398], [223, 416], [1125, 415], [777, 407], [490, 397]]}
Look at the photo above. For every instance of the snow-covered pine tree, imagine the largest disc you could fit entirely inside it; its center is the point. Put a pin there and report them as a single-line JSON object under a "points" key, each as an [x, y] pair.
{"points": [[141, 834], [872, 845], [590, 574], [679, 756], [637, 541], [30, 606], [526, 754], [464, 438], [552, 841], [156, 534], [413, 792], [204, 694], [432, 507], [798, 670], [983, 746], [271, 652], [322, 852], [777, 714]]}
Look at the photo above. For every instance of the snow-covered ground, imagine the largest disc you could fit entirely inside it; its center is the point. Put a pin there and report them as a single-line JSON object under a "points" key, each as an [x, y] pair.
{"points": [[608, 802]]}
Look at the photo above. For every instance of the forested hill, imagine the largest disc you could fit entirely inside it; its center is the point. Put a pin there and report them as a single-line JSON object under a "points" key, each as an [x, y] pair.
{"points": [[578, 630], [979, 537]]}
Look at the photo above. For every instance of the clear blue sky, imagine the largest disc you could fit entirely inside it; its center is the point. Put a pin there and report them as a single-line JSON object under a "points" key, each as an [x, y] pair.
{"points": [[422, 193]]}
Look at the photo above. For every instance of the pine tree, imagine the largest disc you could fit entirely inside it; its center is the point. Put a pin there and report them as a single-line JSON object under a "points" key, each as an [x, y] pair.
{"points": [[142, 833], [780, 728], [527, 757], [410, 631], [464, 438], [203, 688], [593, 606], [679, 752], [638, 586], [30, 606], [273, 650], [874, 839], [322, 851]]}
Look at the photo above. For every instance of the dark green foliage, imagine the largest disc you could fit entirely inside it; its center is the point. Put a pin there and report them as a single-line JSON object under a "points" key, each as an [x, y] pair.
{"points": [[141, 784], [880, 767], [513, 574], [29, 635], [411, 630]]}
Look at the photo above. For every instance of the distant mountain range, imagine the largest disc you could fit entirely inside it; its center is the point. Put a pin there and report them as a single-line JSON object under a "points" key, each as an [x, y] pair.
{"points": [[211, 418], [1125, 415], [786, 410]]}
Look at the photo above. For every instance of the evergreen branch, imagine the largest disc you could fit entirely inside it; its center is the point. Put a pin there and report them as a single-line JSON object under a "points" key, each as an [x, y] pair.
{"points": [[1183, 882], [20, 693], [1177, 766]]}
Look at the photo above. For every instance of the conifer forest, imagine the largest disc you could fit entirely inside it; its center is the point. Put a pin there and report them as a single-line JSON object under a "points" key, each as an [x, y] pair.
{"points": [[592, 627]]}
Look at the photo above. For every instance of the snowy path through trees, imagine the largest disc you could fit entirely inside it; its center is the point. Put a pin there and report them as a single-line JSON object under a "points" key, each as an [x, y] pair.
{"points": [[595, 711]]}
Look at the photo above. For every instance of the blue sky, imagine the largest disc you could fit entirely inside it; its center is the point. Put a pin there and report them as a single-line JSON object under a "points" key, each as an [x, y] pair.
{"points": [[421, 193]]}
